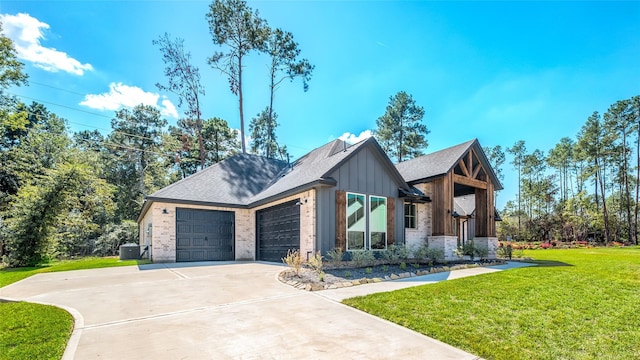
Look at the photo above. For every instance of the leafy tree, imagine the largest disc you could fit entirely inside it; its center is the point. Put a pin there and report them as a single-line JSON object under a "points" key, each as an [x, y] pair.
{"points": [[284, 53], [561, 158], [221, 141], [239, 29], [115, 235], [400, 130], [139, 160], [496, 158], [36, 214], [184, 81], [518, 150], [263, 137]]}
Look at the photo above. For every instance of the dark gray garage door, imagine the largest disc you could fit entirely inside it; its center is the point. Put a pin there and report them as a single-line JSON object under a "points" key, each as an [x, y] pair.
{"points": [[278, 231], [204, 235]]}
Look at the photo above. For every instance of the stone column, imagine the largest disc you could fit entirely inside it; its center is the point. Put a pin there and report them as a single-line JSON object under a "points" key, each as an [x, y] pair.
{"points": [[489, 243], [446, 244]]}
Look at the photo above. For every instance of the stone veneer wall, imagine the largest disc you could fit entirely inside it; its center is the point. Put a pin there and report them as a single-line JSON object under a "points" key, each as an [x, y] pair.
{"points": [[163, 233], [446, 244], [490, 243], [418, 236]]}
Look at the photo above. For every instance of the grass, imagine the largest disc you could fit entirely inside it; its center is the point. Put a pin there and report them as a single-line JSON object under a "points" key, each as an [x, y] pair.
{"points": [[11, 275], [576, 304], [34, 331]]}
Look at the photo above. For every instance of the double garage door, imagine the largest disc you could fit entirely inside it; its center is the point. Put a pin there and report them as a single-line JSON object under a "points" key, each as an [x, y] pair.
{"points": [[204, 235], [278, 230], [208, 235]]}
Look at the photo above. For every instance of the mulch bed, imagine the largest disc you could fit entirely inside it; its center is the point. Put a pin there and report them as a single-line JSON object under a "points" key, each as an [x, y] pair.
{"points": [[346, 274]]}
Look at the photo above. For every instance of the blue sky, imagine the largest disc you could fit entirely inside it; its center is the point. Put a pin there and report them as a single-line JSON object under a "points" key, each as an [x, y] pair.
{"points": [[496, 71]]}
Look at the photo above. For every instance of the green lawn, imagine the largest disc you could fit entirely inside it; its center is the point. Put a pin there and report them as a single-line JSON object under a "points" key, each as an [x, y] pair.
{"points": [[8, 276], [577, 304], [33, 331]]}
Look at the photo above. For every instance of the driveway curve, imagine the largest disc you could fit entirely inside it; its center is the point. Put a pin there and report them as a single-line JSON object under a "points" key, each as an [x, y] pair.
{"points": [[215, 311]]}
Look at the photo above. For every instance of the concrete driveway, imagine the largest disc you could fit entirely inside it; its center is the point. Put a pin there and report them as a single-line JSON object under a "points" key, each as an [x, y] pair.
{"points": [[215, 311]]}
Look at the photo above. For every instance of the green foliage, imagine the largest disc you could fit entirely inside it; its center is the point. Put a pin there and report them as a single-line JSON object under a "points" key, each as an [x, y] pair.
{"points": [[33, 331], [362, 258], [403, 266], [395, 253], [368, 270], [400, 130], [491, 315], [115, 235], [263, 135], [335, 256]]}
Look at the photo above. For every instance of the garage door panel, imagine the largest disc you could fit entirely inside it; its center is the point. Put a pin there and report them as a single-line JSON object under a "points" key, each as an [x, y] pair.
{"points": [[278, 230], [204, 235]]}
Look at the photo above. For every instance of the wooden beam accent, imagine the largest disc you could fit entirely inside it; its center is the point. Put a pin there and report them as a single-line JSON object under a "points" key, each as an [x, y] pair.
{"points": [[469, 182], [469, 162], [463, 167], [341, 220], [391, 223], [477, 170]]}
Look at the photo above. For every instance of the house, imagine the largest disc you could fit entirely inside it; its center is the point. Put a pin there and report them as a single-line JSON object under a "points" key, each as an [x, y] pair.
{"points": [[248, 207], [461, 184]]}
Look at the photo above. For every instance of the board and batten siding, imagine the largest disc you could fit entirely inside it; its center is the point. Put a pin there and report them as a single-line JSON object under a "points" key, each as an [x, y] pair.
{"points": [[364, 173]]}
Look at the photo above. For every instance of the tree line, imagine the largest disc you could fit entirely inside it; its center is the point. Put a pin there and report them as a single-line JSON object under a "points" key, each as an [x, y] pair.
{"points": [[65, 194], [585, 188]]}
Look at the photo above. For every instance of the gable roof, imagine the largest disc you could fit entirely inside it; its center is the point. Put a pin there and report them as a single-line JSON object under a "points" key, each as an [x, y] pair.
{"points": [[246, 180], [439, 163], [314, 168], [233, 181]]}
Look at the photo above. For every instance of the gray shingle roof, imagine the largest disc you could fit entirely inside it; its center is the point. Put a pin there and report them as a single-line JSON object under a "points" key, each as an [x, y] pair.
{"points": [[440, 162], [434, 164], [233, 181], [246, 180]]}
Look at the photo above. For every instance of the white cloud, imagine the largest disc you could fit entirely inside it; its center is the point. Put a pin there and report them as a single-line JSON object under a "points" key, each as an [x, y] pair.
{"points": [[352, 138], [121, 95], [26, 32]]}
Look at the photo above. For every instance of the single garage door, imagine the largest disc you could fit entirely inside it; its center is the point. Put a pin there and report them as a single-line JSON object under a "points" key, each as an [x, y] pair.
{"points": [[278, 231], [204, 235]]}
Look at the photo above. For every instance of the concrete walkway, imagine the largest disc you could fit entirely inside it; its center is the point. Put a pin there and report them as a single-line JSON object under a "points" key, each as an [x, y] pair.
{"points": [[224, 311]]}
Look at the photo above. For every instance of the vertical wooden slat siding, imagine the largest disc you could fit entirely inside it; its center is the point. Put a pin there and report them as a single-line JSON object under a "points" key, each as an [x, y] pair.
{"points": [[491, 226], [391, 216], [482, 216], [341, 219]]}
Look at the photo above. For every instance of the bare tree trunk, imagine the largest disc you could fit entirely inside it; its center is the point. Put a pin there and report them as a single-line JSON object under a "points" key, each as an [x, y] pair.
{"points": [[244, 147]]}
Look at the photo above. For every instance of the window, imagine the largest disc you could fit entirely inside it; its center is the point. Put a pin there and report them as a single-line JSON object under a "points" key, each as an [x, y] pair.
{"points": [[378, 222], [410, 216], [356, 222], [362, 220]]}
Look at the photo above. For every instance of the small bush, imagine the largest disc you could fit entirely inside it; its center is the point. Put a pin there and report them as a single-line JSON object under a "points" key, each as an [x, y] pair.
{"points": [[316, 263], [335, 256], [481, 252], [362, 258], [347, 274], [395, 253], [293, 260], [403, 266], [368, 270]]}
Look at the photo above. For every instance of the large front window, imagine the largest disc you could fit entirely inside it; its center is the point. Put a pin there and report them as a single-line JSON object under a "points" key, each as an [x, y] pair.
{"points": [[356, 222], [363, 220], [378, 222]]}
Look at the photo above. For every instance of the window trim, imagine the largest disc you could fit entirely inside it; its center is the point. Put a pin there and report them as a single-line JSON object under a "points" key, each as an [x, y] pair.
{"points": [[366, 220], [414, 216], [386, 209]]}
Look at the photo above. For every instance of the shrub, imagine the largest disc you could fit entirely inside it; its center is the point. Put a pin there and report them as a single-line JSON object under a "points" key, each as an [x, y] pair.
{"points": [[362, 258], [395, 253], [114, 236], [403, 266], [316, 263], [293, 260], [335, 256], [481, 252]]}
